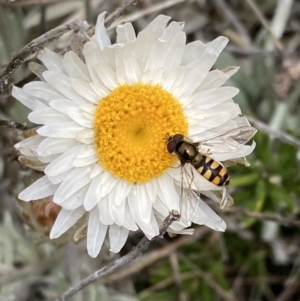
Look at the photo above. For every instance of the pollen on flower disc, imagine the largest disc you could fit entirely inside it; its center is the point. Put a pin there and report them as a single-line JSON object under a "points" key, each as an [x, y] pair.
{"points": [[131, 124]]}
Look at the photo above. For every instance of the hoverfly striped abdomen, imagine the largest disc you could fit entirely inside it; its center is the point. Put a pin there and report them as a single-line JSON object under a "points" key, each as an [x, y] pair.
{"points": [[212, 170]]}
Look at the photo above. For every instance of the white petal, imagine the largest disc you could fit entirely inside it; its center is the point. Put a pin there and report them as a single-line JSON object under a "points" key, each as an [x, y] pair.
{"points": [[50, 146], [174, 52], [117, 212], [105, 215], [41, 188], [99, 89], [158, 25], [108, 182], [107, 76], [129, 222], [96, 171], [109, 55], [174, 78], [192, 51], [175, 172], [59, 178], [214, 79], [96, 233], [150, 229], [144, 203], [117, 237], [71, 110], [84, 89], [217, 45], [194, 76], [88, 109], [210, 98], [66, 129], [101, 35], [152, 187], [48, 159], [167, 192], [92, 57], [85, 161], [30, 143], [75, 200], [157, 56], [125, 33], [172, 30], [212, 221], [52, 60], [63, 162], [47, 115], [127, 67], [63, 84], [77, 179], [93, 195], [142, 49], [42, 90], [85, 136], [65, 220], [209, 123], [121, 192], [161, 210], [230, 71], [25, 98], [75, 67], [243, 151]]}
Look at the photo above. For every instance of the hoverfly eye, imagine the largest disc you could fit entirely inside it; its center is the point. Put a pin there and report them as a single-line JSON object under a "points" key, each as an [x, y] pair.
{"points": [[171, 146], [177, 138]]}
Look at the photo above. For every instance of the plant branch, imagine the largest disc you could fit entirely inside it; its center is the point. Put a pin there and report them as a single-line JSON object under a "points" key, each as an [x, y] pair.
{"points": [[224, 9], [265, 24], [119, 11], [35, 46], [276, 133], [13, 125], [121, 262], [290, 221], [150, 258]]}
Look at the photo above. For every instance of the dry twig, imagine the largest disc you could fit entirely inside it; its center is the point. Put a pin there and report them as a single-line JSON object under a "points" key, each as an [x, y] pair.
{"points": [[265, 23], [209, 279], [13, 125], [119, 11], [147, 11], [290, 221], [224, 9], [35, 46], [149, 259], [121, 262], [177, 276], [275, 133]]}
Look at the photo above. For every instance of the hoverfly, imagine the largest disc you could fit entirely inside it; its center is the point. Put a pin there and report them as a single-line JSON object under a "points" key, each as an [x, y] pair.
{"points": [[196, 155]]}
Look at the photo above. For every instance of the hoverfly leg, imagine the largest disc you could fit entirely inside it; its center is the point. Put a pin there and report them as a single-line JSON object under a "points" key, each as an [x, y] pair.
{"points": [[223, 202], [192, 179]]}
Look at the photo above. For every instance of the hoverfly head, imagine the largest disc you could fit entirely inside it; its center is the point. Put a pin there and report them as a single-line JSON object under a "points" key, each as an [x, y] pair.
{"points": [[172, 142]]}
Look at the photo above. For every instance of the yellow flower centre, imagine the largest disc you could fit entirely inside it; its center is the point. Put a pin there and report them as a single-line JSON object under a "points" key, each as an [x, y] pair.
{"points": [[131, 124]]}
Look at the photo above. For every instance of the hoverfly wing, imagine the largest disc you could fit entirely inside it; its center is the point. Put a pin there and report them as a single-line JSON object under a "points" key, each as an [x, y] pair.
{"points": [[188, 198], [230, 139], [191, 203], [241, 135], [212, 220]]}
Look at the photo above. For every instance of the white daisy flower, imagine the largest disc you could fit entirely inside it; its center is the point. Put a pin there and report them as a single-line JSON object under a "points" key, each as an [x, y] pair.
{"points": [[104, 122]]}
